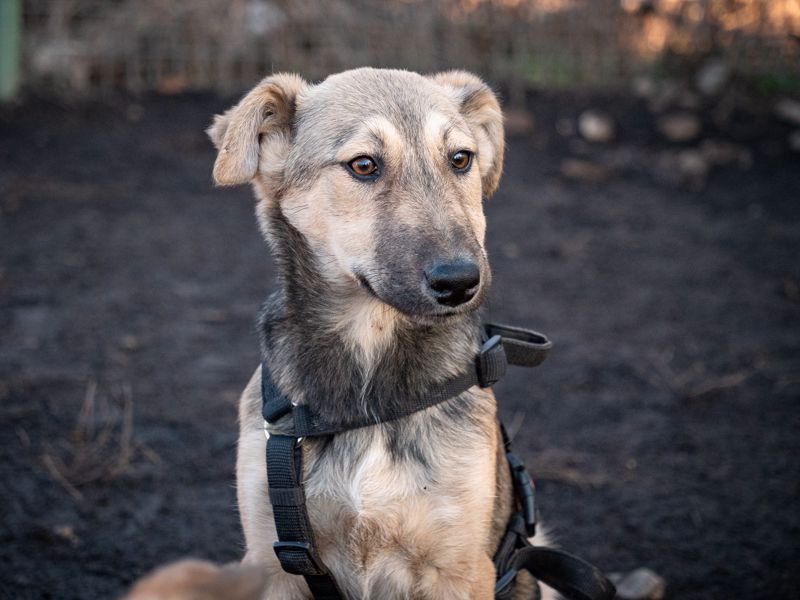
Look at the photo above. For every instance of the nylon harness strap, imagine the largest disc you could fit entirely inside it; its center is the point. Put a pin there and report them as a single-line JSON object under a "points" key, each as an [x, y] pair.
{"points": [[295, 549], [526, 348], [290, 423], [569, 575]]}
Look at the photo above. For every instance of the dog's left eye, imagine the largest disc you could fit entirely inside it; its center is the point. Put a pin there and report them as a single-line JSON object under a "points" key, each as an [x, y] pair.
{"points": [[461, 161], [363, 167]]}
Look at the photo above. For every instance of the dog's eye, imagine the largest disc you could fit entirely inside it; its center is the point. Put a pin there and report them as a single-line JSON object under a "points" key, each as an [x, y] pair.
{"points": [[461, 160], [364, 167]]}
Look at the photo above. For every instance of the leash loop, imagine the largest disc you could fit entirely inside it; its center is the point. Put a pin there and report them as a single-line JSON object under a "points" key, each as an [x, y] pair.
{"points": [[569, 575]]}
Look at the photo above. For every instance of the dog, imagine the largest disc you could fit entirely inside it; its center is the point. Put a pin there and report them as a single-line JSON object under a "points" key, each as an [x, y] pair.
{"points": [[370, 190]]}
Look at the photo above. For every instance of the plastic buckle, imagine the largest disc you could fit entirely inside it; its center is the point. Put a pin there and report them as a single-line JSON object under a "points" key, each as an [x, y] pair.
{"points": [[290, 566], [491, 362], [273, 410], [526, 490]]}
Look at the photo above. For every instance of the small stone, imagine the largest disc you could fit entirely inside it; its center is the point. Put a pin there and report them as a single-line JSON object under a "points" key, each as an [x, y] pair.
{"points": [[710, 80], [596, 126], [641, 584], [788, 110], [584, 170], [794, 140], [66, 533], [636, 6], [518, 121], [679, 127]]}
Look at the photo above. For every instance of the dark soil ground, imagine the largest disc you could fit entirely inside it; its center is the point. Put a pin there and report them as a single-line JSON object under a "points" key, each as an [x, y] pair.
{"points": [[664, 430]]}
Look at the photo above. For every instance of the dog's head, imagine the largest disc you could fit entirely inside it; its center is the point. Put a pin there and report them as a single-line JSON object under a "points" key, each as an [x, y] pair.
{"points": [[383, 173]]}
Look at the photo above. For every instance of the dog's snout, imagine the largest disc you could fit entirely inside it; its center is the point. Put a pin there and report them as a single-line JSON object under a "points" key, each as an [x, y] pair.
{"points": [[453, 283]]}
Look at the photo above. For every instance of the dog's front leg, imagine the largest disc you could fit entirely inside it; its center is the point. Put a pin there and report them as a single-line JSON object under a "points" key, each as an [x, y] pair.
{"points": [[258, 523], [254, 506], [473, 583], [484, 582], [280, 584]]}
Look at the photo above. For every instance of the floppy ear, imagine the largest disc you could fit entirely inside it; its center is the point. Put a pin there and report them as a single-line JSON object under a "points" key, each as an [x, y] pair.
{"points": [[482, 112], [266, 110]]}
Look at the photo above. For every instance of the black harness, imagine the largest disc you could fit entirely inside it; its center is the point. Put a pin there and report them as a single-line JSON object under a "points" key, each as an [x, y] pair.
{"points": [[290, 424]]}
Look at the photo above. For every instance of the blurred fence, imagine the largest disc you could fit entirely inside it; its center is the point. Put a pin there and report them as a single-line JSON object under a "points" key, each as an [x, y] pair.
{"points": [[93, 46]]}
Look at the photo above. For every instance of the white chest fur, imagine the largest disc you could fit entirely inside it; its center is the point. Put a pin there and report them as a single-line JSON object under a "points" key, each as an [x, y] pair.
{"points": [[393, 522]]}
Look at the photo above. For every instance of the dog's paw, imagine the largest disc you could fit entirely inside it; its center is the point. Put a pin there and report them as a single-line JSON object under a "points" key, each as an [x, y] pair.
{"points": [[200, 580]]}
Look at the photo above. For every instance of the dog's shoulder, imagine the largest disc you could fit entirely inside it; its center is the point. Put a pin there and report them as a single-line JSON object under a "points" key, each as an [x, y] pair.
{"points": [[250, 403]]}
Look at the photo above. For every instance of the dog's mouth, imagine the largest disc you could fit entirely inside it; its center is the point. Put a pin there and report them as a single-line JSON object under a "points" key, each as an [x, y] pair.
{"points": [[364, 283], [432, 317]]}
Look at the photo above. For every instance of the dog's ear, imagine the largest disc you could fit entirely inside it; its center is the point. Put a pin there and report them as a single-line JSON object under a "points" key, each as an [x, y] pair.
{"points": [[266, 110], [482, 112]]}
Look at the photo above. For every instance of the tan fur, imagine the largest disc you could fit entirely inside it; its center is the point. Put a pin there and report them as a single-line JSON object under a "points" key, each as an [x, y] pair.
{"points": [[363, 142], [368, 325], [266, 109], [200, 580], [385, 528]]}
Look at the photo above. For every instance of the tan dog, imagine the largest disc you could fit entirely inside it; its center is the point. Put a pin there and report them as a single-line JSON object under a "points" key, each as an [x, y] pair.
{"points": [[370, 188]]}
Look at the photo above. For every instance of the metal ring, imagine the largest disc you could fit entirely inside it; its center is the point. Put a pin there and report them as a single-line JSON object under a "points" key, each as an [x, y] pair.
{"points": [[298, 441]]}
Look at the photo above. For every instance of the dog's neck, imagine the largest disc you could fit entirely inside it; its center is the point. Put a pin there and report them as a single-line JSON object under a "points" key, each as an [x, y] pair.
{"points": [[310, 330]]}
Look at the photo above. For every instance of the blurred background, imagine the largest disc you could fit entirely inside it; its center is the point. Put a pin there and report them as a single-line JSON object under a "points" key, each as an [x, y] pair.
{"points": [[648, 222]]}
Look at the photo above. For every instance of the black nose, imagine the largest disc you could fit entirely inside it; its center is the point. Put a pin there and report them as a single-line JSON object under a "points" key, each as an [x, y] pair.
{"points": [[453, 283]]}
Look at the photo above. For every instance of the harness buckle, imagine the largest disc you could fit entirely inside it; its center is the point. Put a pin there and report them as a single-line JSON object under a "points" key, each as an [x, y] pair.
{"points": [[299, 558], [298, 441], [491, 362], [275, 408], [526, 491]]}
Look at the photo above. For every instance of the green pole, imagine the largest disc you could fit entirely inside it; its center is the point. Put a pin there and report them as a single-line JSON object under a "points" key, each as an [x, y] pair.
{"points": [[10, 41]]}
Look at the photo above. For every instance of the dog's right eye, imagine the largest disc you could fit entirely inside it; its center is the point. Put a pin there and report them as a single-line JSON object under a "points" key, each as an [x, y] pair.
{"points": [[363, 167]]}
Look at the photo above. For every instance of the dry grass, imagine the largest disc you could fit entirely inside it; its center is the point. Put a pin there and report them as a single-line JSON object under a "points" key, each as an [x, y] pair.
{"points": [[101, 445], [694, 382]]}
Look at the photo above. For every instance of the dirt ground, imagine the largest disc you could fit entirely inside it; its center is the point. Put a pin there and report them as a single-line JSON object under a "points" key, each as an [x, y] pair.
{"points": [[664, 430]]}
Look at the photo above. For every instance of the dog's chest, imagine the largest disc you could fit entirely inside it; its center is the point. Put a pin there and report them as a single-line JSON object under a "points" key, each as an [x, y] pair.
{"points": [[390, 503], [370, 480]]}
